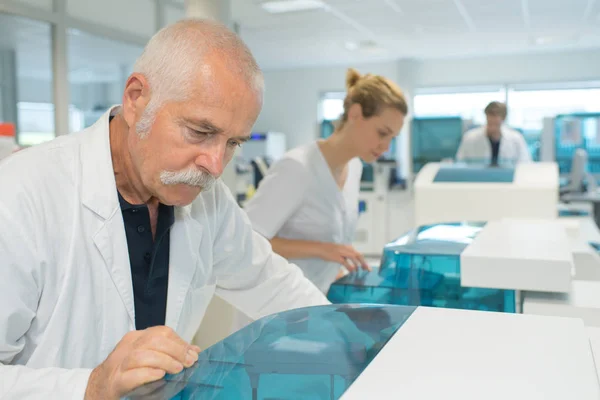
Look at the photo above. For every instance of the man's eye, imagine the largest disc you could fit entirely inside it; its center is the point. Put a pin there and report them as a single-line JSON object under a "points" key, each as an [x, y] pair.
{"points": [[233, 143]]}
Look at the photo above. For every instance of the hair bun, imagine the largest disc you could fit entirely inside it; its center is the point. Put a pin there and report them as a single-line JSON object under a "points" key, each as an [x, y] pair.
{"points": [[352, 76]]}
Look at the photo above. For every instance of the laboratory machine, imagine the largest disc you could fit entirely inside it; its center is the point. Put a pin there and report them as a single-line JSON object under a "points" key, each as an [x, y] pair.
{"points": [[563, 134], [385, 208], [267, 145], [251, 163], [362, 352], [423, 267], [579, 179], [461, 192], [372, 229], [434, 139], [511, 265], [579, 192]]}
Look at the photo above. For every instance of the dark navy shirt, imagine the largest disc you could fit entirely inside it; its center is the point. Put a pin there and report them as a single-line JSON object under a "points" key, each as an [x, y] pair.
{"points": [[149, 259], [495, 151]]}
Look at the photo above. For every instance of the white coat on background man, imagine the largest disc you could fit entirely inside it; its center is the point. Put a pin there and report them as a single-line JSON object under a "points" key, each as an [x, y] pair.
{"points": [[476, 146], [65, 279]]}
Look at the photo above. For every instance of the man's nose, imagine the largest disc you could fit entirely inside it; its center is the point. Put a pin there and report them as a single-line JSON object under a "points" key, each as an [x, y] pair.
{"points": [[212, 160]]}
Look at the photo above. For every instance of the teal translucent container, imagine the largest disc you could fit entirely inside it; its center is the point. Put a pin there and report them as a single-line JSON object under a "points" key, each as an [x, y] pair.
{"points": [[423, 268]]}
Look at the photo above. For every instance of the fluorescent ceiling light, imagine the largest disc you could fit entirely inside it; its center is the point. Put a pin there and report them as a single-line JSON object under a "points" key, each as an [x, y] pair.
{"points": [[544, 40], [283, 6], [366, 46], [554, 40], [393, 5], [351, 46]]}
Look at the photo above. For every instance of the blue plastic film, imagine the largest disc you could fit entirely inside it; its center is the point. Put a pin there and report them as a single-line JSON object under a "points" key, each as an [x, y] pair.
{"points": [[309, 353]]}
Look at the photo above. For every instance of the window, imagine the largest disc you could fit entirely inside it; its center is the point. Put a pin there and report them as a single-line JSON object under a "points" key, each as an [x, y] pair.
{"points": [[529, 105], [98, 64], [98, 70], [26, 79], [36, 123], [331, 106], [467, 103]]}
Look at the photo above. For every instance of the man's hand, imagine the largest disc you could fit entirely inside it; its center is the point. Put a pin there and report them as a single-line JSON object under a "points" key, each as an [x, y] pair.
{"points": [[345, 255], [139, 358]]}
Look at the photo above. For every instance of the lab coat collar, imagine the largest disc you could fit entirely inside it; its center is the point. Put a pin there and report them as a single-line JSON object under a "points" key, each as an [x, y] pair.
{"points": [[503, 129], [99, 194], [98, 185]]}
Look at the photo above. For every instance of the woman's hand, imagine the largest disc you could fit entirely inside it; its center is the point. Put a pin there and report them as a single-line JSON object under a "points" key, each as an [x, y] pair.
{"points": [[343, 254]]}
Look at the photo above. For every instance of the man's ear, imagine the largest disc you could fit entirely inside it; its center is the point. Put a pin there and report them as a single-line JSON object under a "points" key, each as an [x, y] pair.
{"points": [[135, 98]]}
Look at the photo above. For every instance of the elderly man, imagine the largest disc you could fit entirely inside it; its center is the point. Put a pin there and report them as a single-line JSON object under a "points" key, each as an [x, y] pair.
{"points": [[114, 240]]}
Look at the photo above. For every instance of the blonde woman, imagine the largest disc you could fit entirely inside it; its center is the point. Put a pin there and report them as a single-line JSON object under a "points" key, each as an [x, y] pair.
{"points": [[307, 204]]}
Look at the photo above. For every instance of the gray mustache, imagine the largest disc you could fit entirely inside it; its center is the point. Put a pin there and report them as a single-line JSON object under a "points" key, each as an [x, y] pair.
{"points": [[190, 177]]}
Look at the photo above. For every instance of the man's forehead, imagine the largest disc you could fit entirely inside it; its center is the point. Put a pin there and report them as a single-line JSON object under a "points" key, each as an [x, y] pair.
{"points": [[235, 105], [223, 89], [221, 70]]}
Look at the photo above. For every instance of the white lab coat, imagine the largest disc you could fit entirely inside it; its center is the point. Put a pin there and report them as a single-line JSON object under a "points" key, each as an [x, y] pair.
{"points": [[66, 295], [299, 199], [476, 146]]}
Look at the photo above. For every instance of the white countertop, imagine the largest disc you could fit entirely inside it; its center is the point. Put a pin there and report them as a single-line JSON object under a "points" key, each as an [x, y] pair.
{"points": [[582, 301], [456, 354]]}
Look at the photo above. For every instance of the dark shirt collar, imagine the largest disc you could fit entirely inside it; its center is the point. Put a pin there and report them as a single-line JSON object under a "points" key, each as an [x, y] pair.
{"points": [[125, 205], [166, 214]]}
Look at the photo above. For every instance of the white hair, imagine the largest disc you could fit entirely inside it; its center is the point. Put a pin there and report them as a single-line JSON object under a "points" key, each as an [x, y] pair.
{"points": [[177, 52]]}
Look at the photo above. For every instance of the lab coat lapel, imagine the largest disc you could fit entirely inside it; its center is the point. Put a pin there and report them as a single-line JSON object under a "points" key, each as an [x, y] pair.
{"points": [[112, 245], [485, 147], [99, 195], [504, 150], [184, 261]]}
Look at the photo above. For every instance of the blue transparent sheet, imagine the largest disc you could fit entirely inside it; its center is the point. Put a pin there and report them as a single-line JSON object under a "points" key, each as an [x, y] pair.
{"points": [[309, 353], [474, 174], [423, 268]]}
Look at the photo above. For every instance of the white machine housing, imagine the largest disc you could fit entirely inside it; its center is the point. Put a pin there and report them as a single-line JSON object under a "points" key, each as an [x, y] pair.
{"points": [[386, 214], [549, 262], [533, 193], [519, 254], [451, 354]]}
